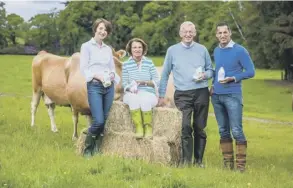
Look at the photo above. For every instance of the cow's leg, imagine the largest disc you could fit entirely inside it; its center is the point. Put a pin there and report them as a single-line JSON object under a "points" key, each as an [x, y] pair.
{"points": [[34, 105], [51, 106], [75, 122]]}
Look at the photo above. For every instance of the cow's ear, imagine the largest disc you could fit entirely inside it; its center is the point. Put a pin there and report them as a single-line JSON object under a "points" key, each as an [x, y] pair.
{"points": [[121, 53]]}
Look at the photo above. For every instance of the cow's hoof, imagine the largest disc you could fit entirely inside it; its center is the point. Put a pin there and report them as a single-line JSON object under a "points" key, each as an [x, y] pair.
{"points": [[55, 130], [74, 137]]}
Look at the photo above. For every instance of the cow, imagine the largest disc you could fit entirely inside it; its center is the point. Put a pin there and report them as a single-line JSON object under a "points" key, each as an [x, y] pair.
{"points": [[49, 81]]}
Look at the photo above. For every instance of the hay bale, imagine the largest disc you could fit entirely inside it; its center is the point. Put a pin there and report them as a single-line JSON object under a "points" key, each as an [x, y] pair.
{"points": [[163, 148], [80, 142]]}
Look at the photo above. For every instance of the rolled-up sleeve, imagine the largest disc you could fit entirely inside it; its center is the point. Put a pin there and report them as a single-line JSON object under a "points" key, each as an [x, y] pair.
{"points": [[84, 63]]}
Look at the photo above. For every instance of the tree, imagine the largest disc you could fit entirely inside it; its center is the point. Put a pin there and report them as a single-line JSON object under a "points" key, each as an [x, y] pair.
{"points": [[14, 23], [3, 30]]}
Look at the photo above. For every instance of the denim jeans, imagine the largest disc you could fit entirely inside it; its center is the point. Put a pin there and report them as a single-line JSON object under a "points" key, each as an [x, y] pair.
{"points": [[100, 101], [228, 112]]}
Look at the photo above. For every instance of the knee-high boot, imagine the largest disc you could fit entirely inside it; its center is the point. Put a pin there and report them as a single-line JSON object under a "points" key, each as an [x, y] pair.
{"points": [[241, 155], [89, 145], [98, 141], [137, 121], [147, 122], [199, 148], [228, 154]]}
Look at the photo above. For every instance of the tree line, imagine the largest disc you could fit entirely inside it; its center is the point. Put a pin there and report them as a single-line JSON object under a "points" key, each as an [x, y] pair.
{"points": [[264, 28]]}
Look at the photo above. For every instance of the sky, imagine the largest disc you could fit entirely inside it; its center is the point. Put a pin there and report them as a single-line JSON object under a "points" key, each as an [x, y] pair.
{"points": [[27, 9]]}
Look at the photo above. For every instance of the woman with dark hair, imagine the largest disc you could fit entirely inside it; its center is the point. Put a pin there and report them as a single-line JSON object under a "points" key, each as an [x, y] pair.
{"points": [[97, 66], [139, 80]]}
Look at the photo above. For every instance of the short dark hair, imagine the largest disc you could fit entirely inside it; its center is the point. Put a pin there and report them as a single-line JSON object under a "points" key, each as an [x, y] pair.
{"points": [[108, 25], [144, 45], [223, 24]]}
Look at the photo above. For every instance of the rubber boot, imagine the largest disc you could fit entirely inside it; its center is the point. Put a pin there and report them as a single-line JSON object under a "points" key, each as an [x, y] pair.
{"points": [[147, 122], [227, 151], [99, 141], [137, 121], [89, 145], [199, 148]]}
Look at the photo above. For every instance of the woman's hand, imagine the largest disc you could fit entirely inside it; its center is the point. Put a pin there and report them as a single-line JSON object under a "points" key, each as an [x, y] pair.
{"points": [[146, 83], [99, 77], [112, 76]]}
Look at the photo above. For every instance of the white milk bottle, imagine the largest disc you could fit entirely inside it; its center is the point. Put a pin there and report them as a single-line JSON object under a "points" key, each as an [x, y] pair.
{"points": [[107, 80], [221, 74]]}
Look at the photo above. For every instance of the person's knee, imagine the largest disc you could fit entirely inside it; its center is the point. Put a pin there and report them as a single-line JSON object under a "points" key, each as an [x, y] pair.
{"points": [[134, 103], [186, 132], [200, 133]]}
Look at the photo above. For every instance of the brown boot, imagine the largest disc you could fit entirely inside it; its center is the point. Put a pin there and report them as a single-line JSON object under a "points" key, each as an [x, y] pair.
{"points": [[241, 155], [227, 151]]}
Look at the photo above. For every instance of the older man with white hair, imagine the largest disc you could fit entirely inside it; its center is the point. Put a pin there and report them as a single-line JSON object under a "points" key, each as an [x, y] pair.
{"points": [[191, 65]]}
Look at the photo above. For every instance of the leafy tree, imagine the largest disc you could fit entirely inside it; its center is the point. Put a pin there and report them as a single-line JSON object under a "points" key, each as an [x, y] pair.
{"points": [[14, 23]]}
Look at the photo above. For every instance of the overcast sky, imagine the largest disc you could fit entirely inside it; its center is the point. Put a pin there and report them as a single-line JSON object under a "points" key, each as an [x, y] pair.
{"points": [[28, 9]]}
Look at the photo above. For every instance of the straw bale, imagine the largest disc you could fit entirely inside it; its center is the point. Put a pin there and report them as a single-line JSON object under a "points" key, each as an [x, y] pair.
{"points": [[163, 148]]}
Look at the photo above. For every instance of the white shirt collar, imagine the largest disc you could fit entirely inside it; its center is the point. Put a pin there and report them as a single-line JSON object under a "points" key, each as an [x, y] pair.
{"points": [[131, 58], [93, 41], [192, 43], [229, 45]]}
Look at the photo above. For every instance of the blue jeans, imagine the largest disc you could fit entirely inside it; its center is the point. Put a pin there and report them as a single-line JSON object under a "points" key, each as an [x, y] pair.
{"points": [[228, 112], [100, 101]]}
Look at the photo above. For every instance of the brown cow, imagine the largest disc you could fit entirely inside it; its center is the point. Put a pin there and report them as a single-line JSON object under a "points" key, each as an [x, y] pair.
{"points": [[49, 81]]}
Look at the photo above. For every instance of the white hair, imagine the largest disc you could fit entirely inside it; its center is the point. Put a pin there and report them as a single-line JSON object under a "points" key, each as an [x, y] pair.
{"points": [[189, 23]]}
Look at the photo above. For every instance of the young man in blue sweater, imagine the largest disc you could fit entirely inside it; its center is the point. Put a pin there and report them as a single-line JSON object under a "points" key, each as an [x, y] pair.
{"points": [[233, 64], [191, 65]]}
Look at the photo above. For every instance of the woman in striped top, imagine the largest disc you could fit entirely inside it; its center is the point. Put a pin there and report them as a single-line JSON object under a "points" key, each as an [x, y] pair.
{"points": [[140, 80]]}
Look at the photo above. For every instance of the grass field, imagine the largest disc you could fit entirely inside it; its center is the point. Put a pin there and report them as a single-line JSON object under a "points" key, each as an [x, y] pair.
{"points": [[36, 157]]}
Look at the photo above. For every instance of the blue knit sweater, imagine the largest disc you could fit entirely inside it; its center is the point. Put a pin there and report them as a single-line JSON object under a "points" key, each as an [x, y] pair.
{"points": [[236, 63]]}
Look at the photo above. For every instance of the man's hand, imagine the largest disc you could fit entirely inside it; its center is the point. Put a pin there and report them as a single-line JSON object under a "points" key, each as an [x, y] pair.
{"points": [[161, 101], [227, 80], [200, 77]]}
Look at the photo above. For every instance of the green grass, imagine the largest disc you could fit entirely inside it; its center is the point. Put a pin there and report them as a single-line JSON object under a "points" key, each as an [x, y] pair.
{"points": [[36, 157]]}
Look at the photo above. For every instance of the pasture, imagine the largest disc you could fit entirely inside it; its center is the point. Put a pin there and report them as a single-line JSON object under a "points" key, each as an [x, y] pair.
{"points": [[37, 157]]}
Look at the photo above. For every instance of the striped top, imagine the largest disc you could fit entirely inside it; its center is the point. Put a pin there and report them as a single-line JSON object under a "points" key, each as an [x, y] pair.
{"points": [[145, 72]]}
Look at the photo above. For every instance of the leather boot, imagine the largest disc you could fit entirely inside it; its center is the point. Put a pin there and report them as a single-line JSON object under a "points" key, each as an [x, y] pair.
{"points": [[227, 151], [241, 155], [147, 122], [89, 145], [199, 148], [137, 121]]}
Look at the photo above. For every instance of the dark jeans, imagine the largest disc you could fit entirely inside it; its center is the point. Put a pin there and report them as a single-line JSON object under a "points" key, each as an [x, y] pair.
{"points": [[100, 101], [228, 112], [196, 101]]}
